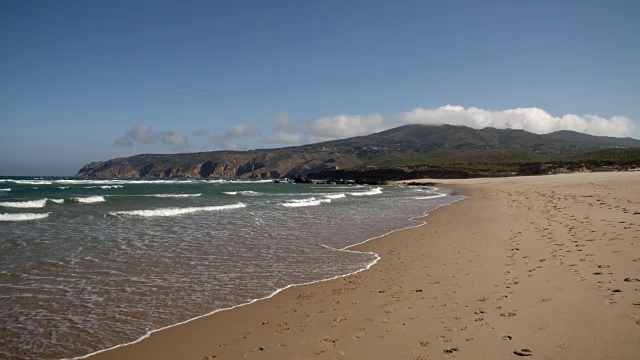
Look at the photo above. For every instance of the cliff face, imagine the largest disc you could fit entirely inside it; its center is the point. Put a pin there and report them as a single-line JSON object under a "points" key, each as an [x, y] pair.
{"points": [[254, 164]]}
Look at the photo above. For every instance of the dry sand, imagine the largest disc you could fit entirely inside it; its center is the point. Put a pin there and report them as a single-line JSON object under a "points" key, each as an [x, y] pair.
{"points": [[547, 264]]}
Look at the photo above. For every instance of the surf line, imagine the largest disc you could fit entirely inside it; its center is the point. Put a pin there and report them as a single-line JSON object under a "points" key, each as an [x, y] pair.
{"points": [[377, 258]]}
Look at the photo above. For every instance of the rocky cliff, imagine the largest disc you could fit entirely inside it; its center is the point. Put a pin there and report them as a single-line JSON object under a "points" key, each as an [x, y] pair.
{"points": [[251, 164]]}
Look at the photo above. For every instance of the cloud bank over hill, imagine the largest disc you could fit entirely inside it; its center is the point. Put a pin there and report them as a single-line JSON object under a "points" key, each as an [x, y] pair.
{"points": [[531, 119], [286, 131]]}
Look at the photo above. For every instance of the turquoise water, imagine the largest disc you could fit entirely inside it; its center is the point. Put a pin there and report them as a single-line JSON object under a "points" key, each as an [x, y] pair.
{"points": [[90, 264]]}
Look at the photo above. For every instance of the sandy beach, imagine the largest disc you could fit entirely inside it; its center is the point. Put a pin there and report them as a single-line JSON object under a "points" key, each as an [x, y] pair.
{"points": [[547, 267]]}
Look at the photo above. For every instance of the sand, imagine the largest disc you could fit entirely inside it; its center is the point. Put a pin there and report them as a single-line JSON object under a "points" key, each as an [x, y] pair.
{"points": [[547, 267]]}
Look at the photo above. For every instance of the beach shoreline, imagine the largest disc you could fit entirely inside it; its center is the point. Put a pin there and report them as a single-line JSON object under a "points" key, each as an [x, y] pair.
{"points": [[466, 285]]}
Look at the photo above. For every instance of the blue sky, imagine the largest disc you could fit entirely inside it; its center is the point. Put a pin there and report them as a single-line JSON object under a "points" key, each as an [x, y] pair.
{"points": [[92, 80]]}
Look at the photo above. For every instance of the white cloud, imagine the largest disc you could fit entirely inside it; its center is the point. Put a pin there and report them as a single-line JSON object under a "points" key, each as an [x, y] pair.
{"points": [[242, 130], [281, 137], [122, 142], [174, 139], [235, 147], [532, 119], [344, 126], [142, 133], [284, 131]]}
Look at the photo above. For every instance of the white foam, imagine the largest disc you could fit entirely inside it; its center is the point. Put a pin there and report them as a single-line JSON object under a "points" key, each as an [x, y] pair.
{"points": [[177, 211], [430, 197], [22, 216], [305, 202], [25, 204], [175, 195], [90, 199], [119, 182], [246, 193], [57, 201], [104, 187], [7, 189], [374, 191], [236, 181], [335, 196], [29, 182]]}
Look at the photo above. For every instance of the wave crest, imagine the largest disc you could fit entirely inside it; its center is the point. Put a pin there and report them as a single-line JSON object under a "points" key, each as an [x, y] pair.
{"points": [[374, 191], [25, 204], [90, 199], [246, 193], [22, 216], [175, 195], [335, 196], [305, 202], [430, 197], [176, 211]]}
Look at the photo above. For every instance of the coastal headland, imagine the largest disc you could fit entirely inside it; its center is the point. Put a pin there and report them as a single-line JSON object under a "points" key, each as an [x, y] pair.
{"points": [[547, 267]]}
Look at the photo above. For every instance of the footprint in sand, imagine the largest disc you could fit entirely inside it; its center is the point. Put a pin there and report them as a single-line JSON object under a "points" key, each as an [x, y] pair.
{"points": [[450, 350], [506, 337], [509, 313], [523, 352]]}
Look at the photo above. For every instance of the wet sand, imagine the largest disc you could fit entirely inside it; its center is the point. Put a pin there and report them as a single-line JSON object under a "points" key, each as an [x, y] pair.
{"points": [[547, 267]]}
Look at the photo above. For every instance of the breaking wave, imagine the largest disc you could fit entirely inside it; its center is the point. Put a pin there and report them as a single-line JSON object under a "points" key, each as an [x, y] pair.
{"points": [[28, 182], [335, 196], [177, 211], [237, 181], [246, 193], [175, 195], [7, 189], [90, 199], [374, 191], [25, 204], [430, 197], [22, 217], [305, 202]]}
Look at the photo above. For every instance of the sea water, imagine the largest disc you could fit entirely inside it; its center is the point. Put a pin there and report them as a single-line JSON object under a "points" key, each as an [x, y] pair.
{"points": [[91, 264]]}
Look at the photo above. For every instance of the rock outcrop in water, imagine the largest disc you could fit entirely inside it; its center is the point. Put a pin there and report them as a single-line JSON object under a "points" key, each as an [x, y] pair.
{"points": [[391, 154]]}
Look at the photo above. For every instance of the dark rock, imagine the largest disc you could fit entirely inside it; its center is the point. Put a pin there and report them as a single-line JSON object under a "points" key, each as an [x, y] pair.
{"points": [[301, 180], [145, 170], [207, 168]]}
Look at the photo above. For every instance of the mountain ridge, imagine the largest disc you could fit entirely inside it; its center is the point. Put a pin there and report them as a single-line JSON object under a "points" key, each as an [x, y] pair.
{"points": [[407, 145]]}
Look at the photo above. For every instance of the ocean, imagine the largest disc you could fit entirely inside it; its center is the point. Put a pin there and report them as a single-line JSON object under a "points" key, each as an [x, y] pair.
{"points": [[91, 264]]}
